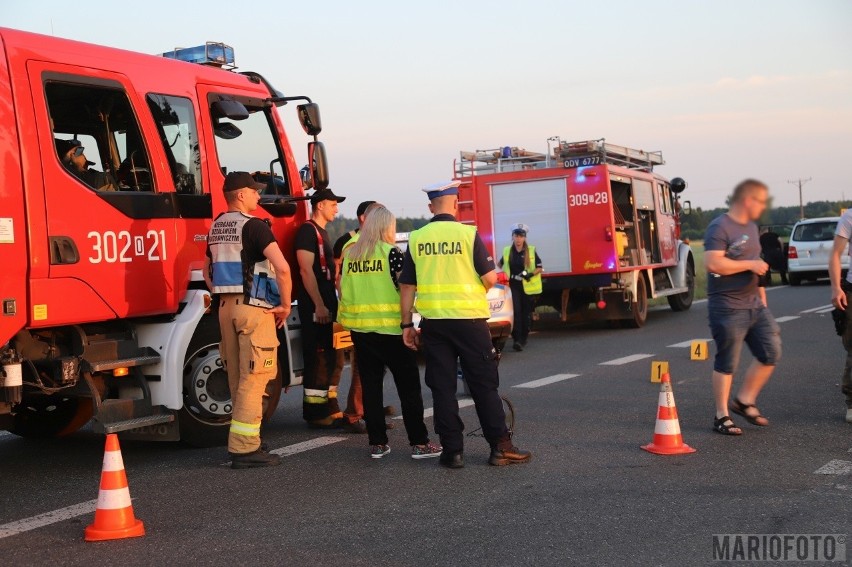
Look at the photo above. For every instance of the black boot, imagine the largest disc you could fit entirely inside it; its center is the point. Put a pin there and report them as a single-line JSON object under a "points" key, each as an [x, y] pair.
{"points": [[509, 456], [255, 459], [452, 460]]}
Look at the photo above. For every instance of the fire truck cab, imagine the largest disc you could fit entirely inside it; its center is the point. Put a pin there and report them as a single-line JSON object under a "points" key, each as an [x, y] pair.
{"points": [[605, 225], [113, 164]]}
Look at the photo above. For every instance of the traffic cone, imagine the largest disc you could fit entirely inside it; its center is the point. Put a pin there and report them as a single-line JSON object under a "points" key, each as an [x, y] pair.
{"points": [[667, 438], [114, 517]]}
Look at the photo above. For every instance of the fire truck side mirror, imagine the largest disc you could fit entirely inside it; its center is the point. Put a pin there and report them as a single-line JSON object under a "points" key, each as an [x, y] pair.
{"points": [[686, 208], [231, 109], [319, 165], [309, 118]]}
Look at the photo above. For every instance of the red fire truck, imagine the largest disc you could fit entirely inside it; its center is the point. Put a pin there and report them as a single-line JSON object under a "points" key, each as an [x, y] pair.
{"points": [[606, 226], [104, 310]]}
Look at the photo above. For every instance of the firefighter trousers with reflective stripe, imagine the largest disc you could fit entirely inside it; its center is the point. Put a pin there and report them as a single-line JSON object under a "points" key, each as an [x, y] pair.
{"points": [[249, 354], [320, 380]]}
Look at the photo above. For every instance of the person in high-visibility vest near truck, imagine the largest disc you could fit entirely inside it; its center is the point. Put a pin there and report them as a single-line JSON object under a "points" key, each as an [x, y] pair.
{"points": [[369, 308], [250, 278], [521, 263], [449, 270]]}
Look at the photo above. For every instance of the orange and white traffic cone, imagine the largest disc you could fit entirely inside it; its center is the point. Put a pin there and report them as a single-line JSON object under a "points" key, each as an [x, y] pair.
{"points": [[667, 437], [114, 517]]}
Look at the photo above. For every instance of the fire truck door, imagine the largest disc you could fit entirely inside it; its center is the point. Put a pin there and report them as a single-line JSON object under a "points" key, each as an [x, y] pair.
{"points": [[110, 213], [646, 221], [667, 226]]}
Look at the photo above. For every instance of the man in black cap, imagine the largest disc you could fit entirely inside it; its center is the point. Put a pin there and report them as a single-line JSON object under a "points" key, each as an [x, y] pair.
{"points": [[71, 154], [247, 272], [317, 312]]}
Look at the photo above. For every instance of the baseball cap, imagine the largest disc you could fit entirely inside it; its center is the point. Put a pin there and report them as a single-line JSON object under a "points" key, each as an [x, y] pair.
{"points": [[362, 208], [241, 180], [326, 195]]}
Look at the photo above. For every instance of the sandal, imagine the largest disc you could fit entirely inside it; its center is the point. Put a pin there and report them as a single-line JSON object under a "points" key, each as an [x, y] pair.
{"points": [[740, 408], [726, 426]]}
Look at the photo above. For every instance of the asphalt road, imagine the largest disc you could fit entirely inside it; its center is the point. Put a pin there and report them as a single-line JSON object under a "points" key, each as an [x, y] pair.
{"points": [[589, 497]]}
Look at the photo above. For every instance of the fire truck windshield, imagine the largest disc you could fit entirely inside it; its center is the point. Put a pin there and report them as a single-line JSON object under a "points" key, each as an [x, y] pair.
{"points": [[250, 145]]}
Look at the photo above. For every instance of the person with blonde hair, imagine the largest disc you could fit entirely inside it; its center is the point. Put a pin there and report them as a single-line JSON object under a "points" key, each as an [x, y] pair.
{"points": [[370, 309]]}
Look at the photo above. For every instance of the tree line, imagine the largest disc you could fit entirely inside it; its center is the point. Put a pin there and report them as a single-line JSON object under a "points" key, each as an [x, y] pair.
{"points": [[694, 224], [341, 225]]}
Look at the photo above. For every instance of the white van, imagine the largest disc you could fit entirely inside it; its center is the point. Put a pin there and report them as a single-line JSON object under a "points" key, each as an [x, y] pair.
{"points": [[810, 249]]}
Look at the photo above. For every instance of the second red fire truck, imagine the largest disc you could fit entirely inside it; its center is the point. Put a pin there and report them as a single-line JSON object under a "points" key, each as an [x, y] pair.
{"points": [[605, 225]]}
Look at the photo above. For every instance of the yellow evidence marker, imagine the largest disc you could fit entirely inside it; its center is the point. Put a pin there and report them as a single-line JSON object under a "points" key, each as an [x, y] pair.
{"points": [[658, 368], [698, 350]]}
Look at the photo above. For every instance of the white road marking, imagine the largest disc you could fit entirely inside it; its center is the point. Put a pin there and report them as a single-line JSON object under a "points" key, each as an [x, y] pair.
{"points": [[686, 344], [27, 524], [829, 310], [836, 467], [429, 412], [820, 308], [786, 318], [625, 359], [306, 445], [545, 381]]}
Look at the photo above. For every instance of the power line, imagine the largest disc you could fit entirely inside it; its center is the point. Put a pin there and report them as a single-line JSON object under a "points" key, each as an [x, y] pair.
{"points": [[800, 182]]}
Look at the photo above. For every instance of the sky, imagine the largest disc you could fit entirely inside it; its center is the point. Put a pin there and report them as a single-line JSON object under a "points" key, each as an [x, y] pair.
{"points": [[726, 89]]}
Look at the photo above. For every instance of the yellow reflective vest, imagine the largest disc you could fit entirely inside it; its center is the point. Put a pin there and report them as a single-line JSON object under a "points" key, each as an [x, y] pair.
{"points": [[369, 300], [448, 286], [533, 286]]}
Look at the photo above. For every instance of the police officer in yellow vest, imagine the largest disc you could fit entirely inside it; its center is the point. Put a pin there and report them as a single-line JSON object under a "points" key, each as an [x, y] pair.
{"points": [[521, 263], [369, 308], [449, 270], [247, 272]]}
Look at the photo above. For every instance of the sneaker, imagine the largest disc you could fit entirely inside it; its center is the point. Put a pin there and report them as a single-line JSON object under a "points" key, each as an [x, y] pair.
{"points": [[427, 451], [517, 347], [379, 451], [355, 427], [510, 456], [255, 459], [849, 415]]}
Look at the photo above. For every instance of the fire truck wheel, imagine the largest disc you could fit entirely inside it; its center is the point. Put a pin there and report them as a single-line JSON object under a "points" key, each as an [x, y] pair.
{"points": [[639, 308], [683, 301], [51, 416], [206, 414]]}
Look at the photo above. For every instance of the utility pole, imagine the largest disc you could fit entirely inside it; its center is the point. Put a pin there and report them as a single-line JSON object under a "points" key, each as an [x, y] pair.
{"points": [[800, 182]]}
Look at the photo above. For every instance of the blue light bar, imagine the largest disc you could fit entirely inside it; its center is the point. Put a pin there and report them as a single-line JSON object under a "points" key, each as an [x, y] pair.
{"points": [[211, 53]]}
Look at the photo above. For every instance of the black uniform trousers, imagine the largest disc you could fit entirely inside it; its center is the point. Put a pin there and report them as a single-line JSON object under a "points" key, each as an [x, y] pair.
{"points": [[374, 352], [319, 354], [445, 342], [523, 307]]}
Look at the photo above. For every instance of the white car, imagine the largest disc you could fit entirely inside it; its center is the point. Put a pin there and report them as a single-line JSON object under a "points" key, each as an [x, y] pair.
{"points": [[810, 249], [499, 303]]}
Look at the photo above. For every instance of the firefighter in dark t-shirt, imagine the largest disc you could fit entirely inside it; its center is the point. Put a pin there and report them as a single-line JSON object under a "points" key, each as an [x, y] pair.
{"points": [[317, 312]]}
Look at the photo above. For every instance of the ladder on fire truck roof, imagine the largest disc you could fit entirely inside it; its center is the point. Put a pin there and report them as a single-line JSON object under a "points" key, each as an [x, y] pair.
{"points": [[516, 159]]}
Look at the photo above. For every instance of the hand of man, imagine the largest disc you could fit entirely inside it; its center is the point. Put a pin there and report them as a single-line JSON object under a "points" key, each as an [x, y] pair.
{"points": [[759, 267], [281, 313], [838, 299], [411, 338], [322, 315]]}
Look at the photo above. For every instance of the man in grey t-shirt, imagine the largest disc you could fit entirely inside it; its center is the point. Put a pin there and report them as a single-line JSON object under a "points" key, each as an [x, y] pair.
{"points": [[841, 292], [737, 306]]}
